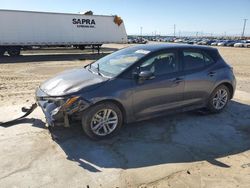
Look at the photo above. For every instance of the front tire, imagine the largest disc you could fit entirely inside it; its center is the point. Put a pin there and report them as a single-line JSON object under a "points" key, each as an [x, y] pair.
{"points": [[218, 99], [102, 120]]}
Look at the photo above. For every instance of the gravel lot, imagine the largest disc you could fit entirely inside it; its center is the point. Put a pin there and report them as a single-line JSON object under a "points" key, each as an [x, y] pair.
{"points": [[182, 150]]}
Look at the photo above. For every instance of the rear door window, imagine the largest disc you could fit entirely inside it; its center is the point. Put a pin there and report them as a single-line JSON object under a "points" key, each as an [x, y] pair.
{"points": [[193, 60]]}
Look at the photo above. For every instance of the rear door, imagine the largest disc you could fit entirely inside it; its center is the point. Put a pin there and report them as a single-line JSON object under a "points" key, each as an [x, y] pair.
{"points": [[199, 75], [164, 91]]}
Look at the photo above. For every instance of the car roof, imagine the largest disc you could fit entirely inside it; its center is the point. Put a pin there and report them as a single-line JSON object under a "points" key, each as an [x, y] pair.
{"points": [[157, 47]]}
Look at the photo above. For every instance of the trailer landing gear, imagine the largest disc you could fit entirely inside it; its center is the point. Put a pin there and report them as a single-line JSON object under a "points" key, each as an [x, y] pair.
{"points": [[82, 47], [98, 47]]}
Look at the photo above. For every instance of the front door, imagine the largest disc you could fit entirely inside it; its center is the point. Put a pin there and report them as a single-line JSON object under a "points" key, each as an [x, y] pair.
{"points": [[161, 92]]}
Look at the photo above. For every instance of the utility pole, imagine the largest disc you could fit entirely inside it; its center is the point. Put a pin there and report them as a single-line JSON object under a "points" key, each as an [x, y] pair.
{"points": [[174, 29], [244, 27], [141, 32]]}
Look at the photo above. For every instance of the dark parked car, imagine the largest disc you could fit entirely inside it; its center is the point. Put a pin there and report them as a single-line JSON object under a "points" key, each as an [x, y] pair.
{"points": [[231, 43], [137, 83], [209, 42]]}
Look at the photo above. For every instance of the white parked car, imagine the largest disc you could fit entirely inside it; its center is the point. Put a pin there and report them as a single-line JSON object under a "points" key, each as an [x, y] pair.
{"points": [[221, 44], [247, 44], [178, 40], [242, 43], [239, 44], [214, 43]]}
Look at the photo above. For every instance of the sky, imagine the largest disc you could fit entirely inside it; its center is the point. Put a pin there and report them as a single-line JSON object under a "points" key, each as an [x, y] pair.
{"points": [[191, 17]]}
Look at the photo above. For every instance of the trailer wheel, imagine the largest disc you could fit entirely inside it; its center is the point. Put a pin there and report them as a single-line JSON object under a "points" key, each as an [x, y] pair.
{"points": [[14, 51], [2, 51], [82, 47]]}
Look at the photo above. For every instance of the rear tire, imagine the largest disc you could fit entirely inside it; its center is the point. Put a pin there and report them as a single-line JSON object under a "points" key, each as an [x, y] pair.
{"points": [[14, 51], [218, 99], [2, 51], [102, 120]]}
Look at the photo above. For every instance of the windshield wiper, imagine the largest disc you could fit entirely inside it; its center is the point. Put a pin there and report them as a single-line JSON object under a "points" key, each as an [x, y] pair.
{"points": [[90, 70], [98, 70]]}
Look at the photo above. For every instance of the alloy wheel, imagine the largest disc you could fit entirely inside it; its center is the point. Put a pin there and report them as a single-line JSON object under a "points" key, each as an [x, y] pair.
{"points": [[220, 99], [104, 122]]}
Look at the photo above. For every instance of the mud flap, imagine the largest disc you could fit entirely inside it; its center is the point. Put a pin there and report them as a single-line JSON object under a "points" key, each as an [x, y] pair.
{"points": [[27, 111]]}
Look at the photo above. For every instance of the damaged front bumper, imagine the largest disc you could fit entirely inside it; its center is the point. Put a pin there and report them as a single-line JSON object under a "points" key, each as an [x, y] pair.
{"points": [[57, 110]]}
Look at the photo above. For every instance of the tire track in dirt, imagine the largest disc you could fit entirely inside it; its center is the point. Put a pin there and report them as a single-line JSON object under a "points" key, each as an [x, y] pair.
{"points": [[18, 81]]}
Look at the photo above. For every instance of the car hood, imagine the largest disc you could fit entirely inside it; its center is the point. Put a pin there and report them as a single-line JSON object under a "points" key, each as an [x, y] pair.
{"points": [[71, 81]]}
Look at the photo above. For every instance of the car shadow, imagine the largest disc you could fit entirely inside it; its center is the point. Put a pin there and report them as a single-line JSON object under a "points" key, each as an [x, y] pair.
{"points": [[180, 138], [67, 55]]}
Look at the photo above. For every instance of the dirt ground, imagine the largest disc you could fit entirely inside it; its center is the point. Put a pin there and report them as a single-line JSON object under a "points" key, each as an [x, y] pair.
{"points": [[182, 150]]}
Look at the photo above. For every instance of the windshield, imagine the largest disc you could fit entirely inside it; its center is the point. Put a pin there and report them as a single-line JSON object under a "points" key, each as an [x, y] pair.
{"points": [[113, 64]]}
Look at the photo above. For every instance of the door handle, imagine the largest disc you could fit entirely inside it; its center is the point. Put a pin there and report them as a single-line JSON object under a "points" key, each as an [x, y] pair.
{"points": [[212, 73]]}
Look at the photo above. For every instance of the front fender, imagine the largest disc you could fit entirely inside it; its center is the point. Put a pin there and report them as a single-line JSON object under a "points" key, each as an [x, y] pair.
{"points": [[117, 90]]}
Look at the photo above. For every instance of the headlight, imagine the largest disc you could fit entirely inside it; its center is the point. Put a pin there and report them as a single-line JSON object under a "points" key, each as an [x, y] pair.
{"points": [[74, 104], [70, 101], [52, 99]]}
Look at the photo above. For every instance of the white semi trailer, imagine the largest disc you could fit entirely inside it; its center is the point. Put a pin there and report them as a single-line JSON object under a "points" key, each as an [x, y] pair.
{"points": [[24, 29]]}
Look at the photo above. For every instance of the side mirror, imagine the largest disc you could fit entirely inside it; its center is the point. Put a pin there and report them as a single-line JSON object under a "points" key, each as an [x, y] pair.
{"points": [[146, 75]]}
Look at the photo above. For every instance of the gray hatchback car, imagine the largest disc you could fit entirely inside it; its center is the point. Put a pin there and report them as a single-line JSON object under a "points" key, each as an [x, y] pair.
{"points": [[137, 83]]}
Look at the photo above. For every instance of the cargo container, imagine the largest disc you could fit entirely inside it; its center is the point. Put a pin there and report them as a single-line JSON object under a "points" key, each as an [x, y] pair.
{"points": [[24, 29]]}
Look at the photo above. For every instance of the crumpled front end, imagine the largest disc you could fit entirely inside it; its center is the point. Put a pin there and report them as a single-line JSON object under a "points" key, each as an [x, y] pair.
{"points": [[57, 110]]}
